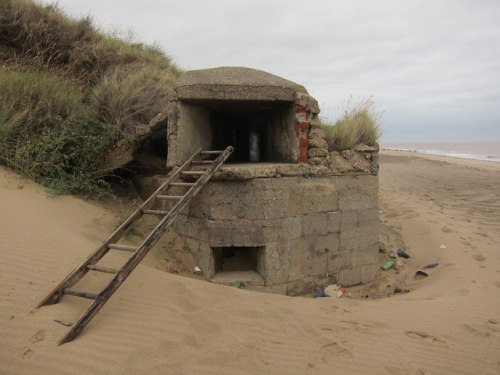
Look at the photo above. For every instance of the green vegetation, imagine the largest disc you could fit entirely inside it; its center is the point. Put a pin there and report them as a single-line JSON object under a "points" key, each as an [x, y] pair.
{"points": [[68, 93], [359, 124]]}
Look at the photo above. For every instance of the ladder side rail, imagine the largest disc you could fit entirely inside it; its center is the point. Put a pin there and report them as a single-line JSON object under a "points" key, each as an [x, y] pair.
{"points": [[76, 275], [143, 249]]}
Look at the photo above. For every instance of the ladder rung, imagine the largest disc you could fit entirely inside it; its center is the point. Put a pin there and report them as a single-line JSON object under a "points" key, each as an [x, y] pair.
{"points": [[202, 162], [78, 293], [169, 197], [193, 173], [212, 152], [93, 267], [181, 183], [156, 212], [116, 246]]}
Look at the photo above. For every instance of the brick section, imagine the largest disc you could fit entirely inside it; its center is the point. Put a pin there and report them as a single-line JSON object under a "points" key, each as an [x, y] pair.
{"points": [[301, 131]]}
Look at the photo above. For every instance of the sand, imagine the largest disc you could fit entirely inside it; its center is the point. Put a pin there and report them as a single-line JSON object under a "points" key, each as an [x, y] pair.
{"points": [[161, 323]]}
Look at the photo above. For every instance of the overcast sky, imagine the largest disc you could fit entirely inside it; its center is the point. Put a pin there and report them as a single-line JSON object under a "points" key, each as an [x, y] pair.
{"points": [[432, 67]]}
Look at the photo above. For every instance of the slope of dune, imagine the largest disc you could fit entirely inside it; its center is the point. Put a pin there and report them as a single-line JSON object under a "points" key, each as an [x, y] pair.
{"points": [[449, 323]]}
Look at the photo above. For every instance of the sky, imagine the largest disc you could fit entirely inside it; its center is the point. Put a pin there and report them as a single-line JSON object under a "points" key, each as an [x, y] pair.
{"points": [[431, 66]]}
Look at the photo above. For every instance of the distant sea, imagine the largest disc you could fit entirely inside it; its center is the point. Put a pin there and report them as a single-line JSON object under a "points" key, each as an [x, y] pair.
{"points": [[489, 151]]}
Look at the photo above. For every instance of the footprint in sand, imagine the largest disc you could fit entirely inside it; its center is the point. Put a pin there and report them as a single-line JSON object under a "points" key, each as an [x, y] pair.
{"points": [[333, 349], [26, 352], [466, 243], [425, 337], [445, 229], [474, 331], [479, 257], [37, 337], [497, 284]]}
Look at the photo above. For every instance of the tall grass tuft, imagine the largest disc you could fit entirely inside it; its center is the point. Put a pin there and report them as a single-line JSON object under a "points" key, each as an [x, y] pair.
{"points": [[47, 134], [130, 96], [359, 124]]}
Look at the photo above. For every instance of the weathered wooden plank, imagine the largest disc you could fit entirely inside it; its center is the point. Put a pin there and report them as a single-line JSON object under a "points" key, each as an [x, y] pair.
{"points": [[169, 197], [144, 248], [156, 212], [117, 246], [79, 293], [193, 173], [92, 267], [185, 184]]}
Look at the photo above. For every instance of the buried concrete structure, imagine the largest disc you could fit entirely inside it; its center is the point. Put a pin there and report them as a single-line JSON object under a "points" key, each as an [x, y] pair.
{"points": [[284, 215]]}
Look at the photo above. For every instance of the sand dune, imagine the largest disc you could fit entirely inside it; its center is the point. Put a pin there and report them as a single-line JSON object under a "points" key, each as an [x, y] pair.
{"points": [[157, 323]]}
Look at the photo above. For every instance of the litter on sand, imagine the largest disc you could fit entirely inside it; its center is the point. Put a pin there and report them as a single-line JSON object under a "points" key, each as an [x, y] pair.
{"points": [[420, 274], [432, 265], [319, 293], [402, 254], [388, 265], [442, 247], [336, 291]]}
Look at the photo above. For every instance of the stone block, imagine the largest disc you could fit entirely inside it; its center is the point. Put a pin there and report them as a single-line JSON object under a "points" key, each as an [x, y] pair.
{"points": [[281, 229], [319, 161], [318, 133], [357, 275], [313, 106], [363, 256], [338, 260], [315, 122], [311, 195], [347, 154], [352, 220], [203, 255], [310, 255], [349, 243], [334, 219], [235, 233], [359, 228], [357, 192], [254, 199], [314, 224], [318, 143], [278, 256], [317, 152], [192, 227], [301, 99]]}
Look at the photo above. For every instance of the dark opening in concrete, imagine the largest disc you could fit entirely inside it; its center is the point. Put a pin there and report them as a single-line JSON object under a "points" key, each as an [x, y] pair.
{"points": [[260, 131], [238, 258]]}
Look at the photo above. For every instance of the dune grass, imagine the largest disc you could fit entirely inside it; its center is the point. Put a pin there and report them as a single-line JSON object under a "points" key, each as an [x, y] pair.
{"points": [[69, 92], [359, 124], [48, 134]]}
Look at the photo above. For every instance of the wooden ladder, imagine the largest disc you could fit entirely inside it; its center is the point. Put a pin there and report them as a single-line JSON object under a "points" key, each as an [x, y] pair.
{"points": [[200, 178]]}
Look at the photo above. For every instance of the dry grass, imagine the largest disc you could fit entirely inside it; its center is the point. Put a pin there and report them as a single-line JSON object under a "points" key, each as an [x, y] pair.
{"points": [[63, 84], [359, 124], [47, 133], [130, 96]]}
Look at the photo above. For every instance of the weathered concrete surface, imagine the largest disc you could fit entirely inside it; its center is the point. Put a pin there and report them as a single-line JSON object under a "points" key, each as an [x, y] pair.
{"points": [[315, 230], [235, 83], [312, 214], [203, 100]]}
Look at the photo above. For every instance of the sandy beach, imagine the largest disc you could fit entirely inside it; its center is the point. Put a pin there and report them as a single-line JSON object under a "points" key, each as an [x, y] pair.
{"points": [[441, 210]]}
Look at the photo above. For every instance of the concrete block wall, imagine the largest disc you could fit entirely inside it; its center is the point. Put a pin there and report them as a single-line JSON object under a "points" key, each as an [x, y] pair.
{"points": [[315, 231]]}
